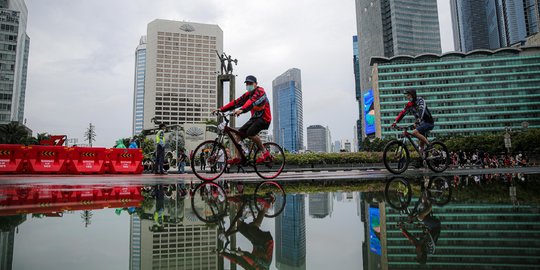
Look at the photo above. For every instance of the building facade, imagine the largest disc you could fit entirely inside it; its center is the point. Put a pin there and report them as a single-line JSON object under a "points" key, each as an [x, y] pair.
{"points": [[492, 24], [287, 115], [317, 138], [138, 96], [478, 92], [390, 28], [14, 51], [180, 78], [290, 243]]}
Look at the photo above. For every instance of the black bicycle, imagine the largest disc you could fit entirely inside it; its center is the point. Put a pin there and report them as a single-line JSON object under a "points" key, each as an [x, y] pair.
{"points": [[398, 193], [210, 201], [209, 159], [396, 156]]}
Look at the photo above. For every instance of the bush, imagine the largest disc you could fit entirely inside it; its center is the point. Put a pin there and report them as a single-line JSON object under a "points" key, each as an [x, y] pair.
{"points": [[333, 158]]}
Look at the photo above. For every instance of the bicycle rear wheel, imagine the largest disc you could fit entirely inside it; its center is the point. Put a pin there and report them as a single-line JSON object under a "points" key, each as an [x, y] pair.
{"points": [[208, 161], [438, 158], [440, 190], [209, 202], [270, 197], [396, 157], [272, 167], [398, 193]]}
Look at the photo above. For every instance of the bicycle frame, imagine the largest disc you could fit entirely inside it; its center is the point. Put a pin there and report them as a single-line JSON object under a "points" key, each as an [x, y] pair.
{"points": [[230, 132]]}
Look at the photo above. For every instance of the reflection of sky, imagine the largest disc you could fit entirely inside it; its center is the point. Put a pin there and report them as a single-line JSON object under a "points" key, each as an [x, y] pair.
{"points": [[64, 243]]}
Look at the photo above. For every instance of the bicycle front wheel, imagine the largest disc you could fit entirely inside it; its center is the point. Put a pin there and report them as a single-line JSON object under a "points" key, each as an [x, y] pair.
{"points": [[270, 197], [398, 193], [396, 157], [438, 158], [440, 191], [208, 161], [209, 202], [271, 167]]}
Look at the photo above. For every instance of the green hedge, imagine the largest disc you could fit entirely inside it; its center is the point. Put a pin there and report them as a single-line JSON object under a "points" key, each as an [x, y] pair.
{"points": [[333, 158]]}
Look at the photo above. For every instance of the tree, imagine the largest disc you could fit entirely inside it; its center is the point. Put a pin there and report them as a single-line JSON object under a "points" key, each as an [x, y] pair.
{"points": [[13, 133], [90, 134]]}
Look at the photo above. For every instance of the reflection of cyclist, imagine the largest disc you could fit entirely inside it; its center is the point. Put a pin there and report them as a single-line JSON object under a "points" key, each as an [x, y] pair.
{"points": [[431, 229], [424, 121], [263, 245], [253, 100]]}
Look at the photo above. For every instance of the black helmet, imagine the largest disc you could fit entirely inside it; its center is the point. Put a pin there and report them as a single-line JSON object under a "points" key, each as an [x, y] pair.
{"points": [[411, 92]]}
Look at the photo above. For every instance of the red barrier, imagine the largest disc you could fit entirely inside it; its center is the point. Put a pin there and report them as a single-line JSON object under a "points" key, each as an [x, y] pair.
{"points": [[125, 160], [83, 160], [47, 159], [12, 158]]}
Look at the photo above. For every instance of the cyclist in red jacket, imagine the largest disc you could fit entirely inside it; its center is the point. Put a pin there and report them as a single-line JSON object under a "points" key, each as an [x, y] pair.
{"points": [[256, 101]]}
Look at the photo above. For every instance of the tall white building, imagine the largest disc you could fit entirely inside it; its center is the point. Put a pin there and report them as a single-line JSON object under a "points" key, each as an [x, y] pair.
{"points": [[138, 96], [181, 65], [14, 50]]}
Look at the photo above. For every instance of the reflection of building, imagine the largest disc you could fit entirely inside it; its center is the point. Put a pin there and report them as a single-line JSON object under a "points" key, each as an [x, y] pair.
{"points": [[185, 242], [138, 96], [7, 239], [291, 234], [317, 138], [135, 243], [320, 205], [494, 236], [287, 114], [181, 64], [14, 56], [482, 91]]}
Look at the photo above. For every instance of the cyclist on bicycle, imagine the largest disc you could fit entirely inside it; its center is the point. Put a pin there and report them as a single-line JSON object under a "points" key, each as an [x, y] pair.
{"points": [[424, 120], [256, 101]]}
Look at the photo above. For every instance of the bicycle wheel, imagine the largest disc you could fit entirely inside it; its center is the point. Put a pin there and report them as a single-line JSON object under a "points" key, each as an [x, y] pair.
{"points": [[208, 161], [270, 196], [398, 193], [440, 190], [209, 202], [396, 157], [272, 167], [437, 158]]}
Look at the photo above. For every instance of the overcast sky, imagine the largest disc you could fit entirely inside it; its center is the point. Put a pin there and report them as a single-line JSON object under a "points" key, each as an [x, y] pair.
{"points": [[81, 64]]}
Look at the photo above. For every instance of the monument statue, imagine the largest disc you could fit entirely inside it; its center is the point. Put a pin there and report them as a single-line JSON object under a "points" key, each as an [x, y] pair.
{"points": [[229, 65], [222, 59]]}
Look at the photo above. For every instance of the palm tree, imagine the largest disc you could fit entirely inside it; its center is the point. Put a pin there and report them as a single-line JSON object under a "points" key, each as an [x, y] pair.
{"points": [[13, 133]]}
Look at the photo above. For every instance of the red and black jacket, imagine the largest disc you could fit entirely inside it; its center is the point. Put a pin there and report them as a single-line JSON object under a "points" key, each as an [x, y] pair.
{"points": [[255, 101]]}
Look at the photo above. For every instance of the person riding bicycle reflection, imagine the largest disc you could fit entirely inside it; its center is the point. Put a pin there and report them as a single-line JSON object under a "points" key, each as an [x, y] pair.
{"points": [[256, 101], [262, 241], [424, 120], [431, 228]]}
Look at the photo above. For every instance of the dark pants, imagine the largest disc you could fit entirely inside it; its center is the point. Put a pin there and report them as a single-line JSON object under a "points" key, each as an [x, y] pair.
{"points": [[160, 158]]}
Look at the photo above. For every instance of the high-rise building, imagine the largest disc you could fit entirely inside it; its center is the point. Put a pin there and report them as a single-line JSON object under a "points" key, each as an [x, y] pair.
{"points": [[317, 138], [478, 92], [359, 96], [14, 51], [328, 140], [291, 234], [337, 146], [390, 28], [180, 77], [347, 146], [138, 96], [493, 24], [287, 112]]}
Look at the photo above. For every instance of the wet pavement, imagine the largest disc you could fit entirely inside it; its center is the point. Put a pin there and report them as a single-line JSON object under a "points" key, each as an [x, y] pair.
{"points": [[323, 220]]}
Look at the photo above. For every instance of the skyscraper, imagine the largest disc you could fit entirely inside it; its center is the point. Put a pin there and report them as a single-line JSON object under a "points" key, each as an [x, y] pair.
{"points": [[287, 110], [321, 204], [493, 24], [138, 97], [180, 78], [14, 51], [317, 138], [394, 27]]}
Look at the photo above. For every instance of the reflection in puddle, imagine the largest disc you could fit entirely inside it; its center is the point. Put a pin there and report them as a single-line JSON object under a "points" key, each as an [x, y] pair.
{"points": [[461, 222]]}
